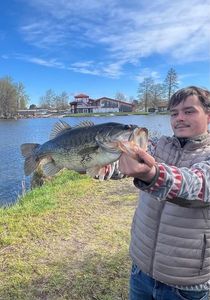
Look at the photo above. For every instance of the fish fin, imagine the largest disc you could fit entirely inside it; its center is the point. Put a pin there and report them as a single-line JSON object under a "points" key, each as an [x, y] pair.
{"points": [[116, 173], [59, 128], [84, 124], [93, 172], [106, 172], [50, 168], [101, 173], [110, 170], [31, 163], [28, 149]]}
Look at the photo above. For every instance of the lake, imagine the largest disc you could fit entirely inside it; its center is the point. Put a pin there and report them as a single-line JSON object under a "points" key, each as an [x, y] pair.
{"points": [[13, 133]]}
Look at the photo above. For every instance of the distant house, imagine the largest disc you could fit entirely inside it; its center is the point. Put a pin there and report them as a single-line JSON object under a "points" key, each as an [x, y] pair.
{"points": [[83, 104], [162, 106], [151, 110], [33, 106]]}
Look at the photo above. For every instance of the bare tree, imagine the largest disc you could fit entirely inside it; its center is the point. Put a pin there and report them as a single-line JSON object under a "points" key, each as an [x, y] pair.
{"points": [[131, 99], [48, 100], [145, 92], [171, 83], [120, 96], [62, 101], [22, 97], [157, 93]]}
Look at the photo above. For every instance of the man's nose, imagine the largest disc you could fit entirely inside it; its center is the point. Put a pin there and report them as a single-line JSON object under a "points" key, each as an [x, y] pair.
{"points": [[180, 116]]}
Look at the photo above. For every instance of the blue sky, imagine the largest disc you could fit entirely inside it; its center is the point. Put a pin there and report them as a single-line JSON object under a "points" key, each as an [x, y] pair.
{"points": [[103, 47]]}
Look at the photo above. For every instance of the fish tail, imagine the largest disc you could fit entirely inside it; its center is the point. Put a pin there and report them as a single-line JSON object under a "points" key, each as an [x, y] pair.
{"points": [[31, 161]]}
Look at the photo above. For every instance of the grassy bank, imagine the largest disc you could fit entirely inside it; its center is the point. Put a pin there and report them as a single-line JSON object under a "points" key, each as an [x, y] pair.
{"points": [[68, 240]]}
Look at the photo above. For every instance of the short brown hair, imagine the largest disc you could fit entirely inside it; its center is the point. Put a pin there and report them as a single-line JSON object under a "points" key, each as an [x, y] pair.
{"points": [[182, 94]]}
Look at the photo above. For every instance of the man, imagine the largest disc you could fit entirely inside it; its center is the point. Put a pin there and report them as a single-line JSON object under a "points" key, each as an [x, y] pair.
{"points": [[170, 235]]}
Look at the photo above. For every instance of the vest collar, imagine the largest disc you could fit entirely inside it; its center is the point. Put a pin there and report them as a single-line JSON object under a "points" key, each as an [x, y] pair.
{"points": [[192, 143]]}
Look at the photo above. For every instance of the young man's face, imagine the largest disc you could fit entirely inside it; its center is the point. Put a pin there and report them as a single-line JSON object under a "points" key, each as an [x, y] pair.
{"points": [[188, 118]]}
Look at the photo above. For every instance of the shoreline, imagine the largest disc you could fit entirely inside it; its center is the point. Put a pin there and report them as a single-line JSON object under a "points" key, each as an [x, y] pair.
{"points": [[83, 115]]}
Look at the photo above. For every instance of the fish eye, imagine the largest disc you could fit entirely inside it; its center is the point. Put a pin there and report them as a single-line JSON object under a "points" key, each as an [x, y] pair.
{"points": [[126, 127], [129, 126]]}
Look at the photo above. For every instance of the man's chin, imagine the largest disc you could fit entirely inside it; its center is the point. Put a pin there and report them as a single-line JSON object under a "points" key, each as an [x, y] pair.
{"points": [[182, 135], [182, 132]]}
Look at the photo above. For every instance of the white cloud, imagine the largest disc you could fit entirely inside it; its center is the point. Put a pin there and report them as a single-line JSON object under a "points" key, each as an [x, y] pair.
{"points": [[112, 70], [146, 72], [41, 34], [84, 64], [125, 32], [85, 70], [53, 63]]}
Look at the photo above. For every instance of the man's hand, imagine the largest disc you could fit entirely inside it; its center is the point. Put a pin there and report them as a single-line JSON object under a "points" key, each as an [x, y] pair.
{"points": [[141, 167]]}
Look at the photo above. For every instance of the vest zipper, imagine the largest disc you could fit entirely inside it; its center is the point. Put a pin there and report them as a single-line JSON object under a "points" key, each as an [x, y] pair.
{"points": [[154, 251], [203, 252], [179, 155]]}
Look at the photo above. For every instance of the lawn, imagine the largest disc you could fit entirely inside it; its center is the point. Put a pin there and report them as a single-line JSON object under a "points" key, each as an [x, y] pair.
{"points": [[68, 240]]}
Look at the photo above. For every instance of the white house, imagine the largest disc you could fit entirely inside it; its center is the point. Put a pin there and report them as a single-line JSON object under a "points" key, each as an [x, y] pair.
{"points": [[83, 104]]}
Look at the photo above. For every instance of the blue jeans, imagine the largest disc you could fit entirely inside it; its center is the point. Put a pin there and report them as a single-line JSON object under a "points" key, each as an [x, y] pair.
{"points": [[144, 287]]}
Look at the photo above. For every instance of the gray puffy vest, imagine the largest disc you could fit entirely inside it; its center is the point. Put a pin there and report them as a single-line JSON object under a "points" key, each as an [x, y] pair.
{"points": [[170, 242]]}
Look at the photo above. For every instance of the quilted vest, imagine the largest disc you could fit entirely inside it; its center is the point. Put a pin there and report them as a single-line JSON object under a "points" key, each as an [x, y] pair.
{"points": [[171, 243]]}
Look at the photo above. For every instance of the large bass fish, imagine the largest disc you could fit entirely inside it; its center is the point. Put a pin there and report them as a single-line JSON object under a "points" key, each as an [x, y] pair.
{"points": [[85, 148]]}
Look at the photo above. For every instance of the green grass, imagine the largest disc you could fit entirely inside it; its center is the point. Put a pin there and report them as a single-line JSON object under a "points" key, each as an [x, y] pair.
{"points": [[68, 240]]}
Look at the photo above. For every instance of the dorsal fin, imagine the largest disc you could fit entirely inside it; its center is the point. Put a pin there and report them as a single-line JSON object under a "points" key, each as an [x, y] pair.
{"points": [[85, 124], [59, 128]]}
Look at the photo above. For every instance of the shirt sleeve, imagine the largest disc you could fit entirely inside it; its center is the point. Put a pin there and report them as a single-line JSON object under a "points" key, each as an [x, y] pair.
{"points": [[171, 182]]}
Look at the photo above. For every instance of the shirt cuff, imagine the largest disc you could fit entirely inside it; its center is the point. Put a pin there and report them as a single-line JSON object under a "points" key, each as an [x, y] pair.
{"points": [[142, 185]]}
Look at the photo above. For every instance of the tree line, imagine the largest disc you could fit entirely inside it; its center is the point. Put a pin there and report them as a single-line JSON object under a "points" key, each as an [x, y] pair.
{"points": [[53, 100], [14, 97], [150, 94]]}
